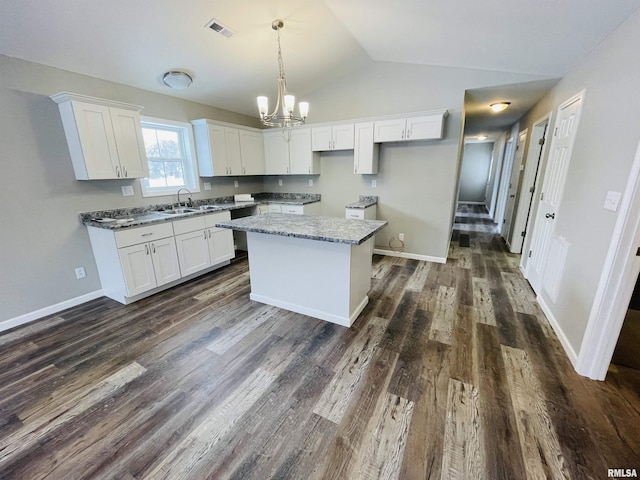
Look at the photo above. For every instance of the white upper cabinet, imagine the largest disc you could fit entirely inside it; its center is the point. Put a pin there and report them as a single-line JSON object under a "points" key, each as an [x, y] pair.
{"points": [[104, 137], [365, 152], [290, 153], [332, 137], [426, 126], [227, 151], [252, 152]]}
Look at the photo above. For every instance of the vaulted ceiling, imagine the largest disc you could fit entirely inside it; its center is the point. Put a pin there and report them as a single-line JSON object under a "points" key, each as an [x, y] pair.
{"points": [[135, 42]]}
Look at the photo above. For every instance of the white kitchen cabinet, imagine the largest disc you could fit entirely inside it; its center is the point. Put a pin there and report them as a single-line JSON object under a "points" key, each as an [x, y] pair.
{"points": [[104, 137], [290, 153], [149, 265], [224, 150], [251, 152], [262, 208], [200, 244], [365, 151], [427, 126], [275, 208], [332, 137], [295, 209], [368, 213]]}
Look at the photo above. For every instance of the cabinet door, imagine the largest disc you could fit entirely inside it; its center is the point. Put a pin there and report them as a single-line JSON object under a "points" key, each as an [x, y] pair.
{"points": [[220, 245], [97, 142], [342, 137], [137, 268], [165, 260], [252, 153], [193, 252], [276, 154], [234, 161], [129, 143], [427, 127], [218, 149], [321, 139], [389, 130], [275, 208], [301, 158], [365, 152]]}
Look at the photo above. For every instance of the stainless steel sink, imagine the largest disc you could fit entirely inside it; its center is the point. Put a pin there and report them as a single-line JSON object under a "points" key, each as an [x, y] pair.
{"points": [[177, 211], [210, 207]]}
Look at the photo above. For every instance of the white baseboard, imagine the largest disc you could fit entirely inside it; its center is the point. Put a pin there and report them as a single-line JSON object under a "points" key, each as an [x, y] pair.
{"points": [[50, 310], [412, 256], [571, 353], [471, 203]]}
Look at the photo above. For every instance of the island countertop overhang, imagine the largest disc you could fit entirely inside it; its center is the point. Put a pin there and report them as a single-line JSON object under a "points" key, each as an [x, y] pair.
{"points": [[325, 229]]}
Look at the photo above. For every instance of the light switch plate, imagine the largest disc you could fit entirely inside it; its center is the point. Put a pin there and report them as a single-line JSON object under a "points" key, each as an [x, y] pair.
{"points": [[612, 200], [235, 183], [207, 185], [280, 182], [127, 190], [311, 183], [374, 183]]}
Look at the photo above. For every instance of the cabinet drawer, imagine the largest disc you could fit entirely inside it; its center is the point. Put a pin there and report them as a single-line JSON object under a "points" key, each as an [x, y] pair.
{"points": [[211, 219], [188, 225], [355, 213], [295, 209], [134, 236]]}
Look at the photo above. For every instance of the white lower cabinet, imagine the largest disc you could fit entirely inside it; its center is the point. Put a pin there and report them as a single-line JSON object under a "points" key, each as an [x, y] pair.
{"points": [[201, 244], [136, 262], [149, 265], [294, 209]]}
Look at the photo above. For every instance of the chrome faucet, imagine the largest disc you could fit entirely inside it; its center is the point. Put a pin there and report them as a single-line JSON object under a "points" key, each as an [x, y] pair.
{"points": [[189, 203]]}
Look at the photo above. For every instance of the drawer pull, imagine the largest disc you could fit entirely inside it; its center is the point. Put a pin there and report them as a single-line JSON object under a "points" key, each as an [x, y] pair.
{"points": [[146, 234]]}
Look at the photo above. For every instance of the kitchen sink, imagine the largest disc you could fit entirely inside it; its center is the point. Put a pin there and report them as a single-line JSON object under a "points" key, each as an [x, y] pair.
{"points": [[177, 211], [210, 207]]}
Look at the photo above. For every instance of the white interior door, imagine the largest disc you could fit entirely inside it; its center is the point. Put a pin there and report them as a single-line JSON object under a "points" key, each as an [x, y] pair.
{"points": [[503, 188], [514, 183], [552, 189], [523, 218]]}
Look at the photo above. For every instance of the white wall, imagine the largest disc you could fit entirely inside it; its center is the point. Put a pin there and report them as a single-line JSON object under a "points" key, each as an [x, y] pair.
{"points": [[604, 149], [476, 162]]}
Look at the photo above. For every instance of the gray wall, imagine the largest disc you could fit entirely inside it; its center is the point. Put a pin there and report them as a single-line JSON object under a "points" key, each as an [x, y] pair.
{"points": [[41, 240], [605, 146], [476, 162]]}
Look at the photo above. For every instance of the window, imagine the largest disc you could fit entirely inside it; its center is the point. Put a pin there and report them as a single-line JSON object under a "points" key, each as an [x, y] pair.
{"points": [[170, 155]]}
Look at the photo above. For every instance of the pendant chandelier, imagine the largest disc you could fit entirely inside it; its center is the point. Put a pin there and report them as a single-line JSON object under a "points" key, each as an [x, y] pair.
{"points": [[282, 115]]}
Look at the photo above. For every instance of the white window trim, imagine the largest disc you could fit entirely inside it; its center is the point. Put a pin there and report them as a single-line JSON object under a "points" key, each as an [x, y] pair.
{"points": [[190, 152]]}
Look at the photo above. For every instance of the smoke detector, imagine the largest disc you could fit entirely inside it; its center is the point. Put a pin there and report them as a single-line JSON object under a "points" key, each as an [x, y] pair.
{"points": [[218, 27]]}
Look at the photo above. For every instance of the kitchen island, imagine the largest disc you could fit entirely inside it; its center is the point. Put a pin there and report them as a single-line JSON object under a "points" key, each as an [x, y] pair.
{"points": [[317, 266]]}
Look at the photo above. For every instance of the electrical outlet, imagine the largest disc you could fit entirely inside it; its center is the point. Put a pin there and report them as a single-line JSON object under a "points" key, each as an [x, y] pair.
{"points": [[311, 183], [127, 190], [401, 237], [80, 273], [374, 183], [280, 182], [235, 183], [207, 186]]}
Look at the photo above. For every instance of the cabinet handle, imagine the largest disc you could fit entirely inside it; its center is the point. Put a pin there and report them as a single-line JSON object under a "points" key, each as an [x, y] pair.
{"points": [[402, 136], [244, 170], [146, 234], [333, 145], [408, 134], [153, 247], [209, 233], [146, 249], [118, 172], [309, 168], [205, 234]]}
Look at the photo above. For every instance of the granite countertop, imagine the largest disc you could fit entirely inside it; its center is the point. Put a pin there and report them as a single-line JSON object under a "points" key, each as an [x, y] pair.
{"points": [[326, 229], [122, 218], [365, 201]]}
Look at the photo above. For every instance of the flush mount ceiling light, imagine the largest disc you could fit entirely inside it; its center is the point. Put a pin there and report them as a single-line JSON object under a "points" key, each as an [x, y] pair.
{"points": [[177, 80], [285, 101], [482, 137], [500, 106]]}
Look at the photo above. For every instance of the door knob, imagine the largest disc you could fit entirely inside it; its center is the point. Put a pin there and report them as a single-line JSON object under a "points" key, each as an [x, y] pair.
{"points": [[550, 215]]}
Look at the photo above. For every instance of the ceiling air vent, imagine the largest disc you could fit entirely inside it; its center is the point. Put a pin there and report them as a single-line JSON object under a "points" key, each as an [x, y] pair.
{"points": [[218, 27]]}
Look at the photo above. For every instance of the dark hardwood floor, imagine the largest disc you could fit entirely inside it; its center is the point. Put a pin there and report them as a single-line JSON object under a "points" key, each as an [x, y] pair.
{"points": [[452, 371]]}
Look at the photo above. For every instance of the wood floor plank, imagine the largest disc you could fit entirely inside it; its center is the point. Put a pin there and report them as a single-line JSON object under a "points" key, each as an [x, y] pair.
{"points": [[350, 371], [463, 455], [444, 315], [183, 459], [483, 306], [543, 457]]}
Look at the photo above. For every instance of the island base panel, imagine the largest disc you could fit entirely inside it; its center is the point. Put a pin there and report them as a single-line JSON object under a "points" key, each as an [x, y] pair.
{"points": [[324, 280]]}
